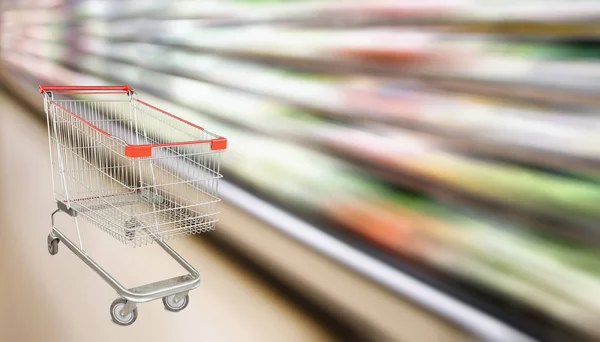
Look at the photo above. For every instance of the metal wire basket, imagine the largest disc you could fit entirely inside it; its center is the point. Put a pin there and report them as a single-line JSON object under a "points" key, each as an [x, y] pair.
{"points": [[135, 171], [138, 173]]}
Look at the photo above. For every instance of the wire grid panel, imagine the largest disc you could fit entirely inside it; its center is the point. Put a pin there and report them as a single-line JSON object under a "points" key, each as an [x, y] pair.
{"points": [[136, 200]]}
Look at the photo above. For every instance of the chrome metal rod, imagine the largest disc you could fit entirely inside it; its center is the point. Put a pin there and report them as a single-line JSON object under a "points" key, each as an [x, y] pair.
{"points": [[144, 293]]}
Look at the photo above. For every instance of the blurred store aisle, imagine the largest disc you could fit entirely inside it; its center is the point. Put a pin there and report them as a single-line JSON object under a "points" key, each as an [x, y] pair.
{"points": [[59, 298]]}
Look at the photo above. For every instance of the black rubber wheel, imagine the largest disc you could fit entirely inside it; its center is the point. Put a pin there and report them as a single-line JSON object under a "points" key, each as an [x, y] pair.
{"points": [[172, 305], [52, 245], [115, 312]]}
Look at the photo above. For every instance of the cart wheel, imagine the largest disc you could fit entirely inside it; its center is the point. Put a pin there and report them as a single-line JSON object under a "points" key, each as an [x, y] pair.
{"points": [[174, 305], [115, 312], [52, 245]]}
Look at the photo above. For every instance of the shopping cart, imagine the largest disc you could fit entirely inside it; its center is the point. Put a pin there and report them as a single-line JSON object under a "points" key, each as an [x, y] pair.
{"points": [[138, 173]]}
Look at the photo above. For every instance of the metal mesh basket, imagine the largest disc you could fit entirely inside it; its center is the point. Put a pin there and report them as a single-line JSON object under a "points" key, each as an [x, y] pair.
{"points": [[135, 171]]}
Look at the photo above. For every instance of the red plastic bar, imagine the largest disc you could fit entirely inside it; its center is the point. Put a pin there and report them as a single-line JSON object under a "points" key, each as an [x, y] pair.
{"points": [[123, 88], [145, 150], [88, 92], [132, 151]]}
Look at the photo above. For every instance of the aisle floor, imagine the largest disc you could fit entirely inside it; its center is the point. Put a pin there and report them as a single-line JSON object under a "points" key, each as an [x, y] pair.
{"points": [[58, 298]]}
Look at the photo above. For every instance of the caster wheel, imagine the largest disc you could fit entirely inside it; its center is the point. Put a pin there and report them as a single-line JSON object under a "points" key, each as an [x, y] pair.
{"points": [[115, 312], [174, 305], [52, 245]]}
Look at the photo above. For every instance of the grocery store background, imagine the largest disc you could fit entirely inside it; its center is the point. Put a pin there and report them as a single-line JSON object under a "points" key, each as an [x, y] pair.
{"points": [[396, 170]]}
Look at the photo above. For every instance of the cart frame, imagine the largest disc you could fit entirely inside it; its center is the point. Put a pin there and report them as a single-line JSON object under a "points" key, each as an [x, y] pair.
{"points": [[177, 287], [173, 291]]}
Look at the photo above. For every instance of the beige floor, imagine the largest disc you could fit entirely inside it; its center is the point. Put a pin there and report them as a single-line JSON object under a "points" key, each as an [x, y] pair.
{"points": [[58, 298]]}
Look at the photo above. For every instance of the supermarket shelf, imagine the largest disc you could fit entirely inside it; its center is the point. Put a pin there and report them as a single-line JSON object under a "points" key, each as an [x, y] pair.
{"points": [[500, 285], [451, 16], [245, 240], [58, 298], [517, 30], [547, 95], [162, 95], [518, 90], [456, 141], [519, 315], [581, 231], [514, 29], [292, 260], [478, 323], [553, 21]]}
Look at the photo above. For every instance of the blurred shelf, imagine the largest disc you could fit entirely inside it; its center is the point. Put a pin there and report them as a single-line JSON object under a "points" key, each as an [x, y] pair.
{"points": [[529, 89], [491, 301], [582, 232], [480, 324], [293, 12], [544, 94], [160, 94], [523, 89], [548, 20], [268, 260], [451, 137], [138, 41], [548, 221], [570, 227]]}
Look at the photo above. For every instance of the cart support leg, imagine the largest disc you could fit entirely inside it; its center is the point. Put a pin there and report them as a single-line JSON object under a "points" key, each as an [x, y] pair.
{"points": [[128, 308], [180, 296], [174, 286], [52, 218], [91, 263]]}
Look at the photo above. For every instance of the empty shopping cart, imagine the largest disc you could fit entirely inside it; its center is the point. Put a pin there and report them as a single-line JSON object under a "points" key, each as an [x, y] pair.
{"points": [[138, 173]]}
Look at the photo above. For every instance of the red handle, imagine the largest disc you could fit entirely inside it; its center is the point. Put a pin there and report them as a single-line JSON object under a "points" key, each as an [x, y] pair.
{"points": [[124, 88]]}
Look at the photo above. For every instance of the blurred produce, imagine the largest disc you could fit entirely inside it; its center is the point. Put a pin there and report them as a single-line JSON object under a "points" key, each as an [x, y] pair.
{"points": [[457, 136]]}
